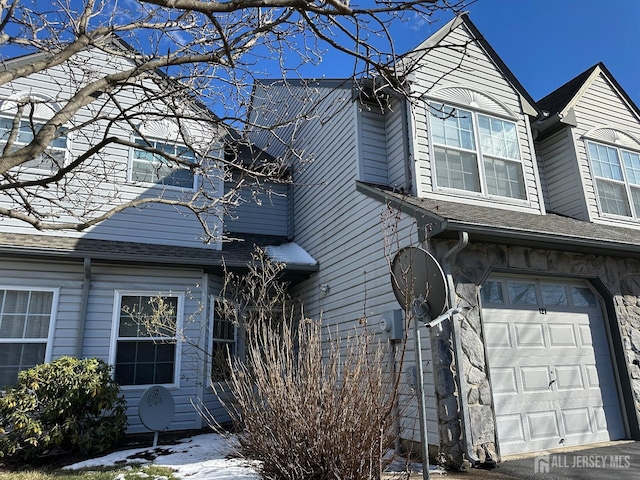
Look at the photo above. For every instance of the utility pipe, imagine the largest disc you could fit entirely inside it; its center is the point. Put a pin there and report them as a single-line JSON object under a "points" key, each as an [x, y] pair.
{"points": [[84, 305], [463, 241], [421, 314]]}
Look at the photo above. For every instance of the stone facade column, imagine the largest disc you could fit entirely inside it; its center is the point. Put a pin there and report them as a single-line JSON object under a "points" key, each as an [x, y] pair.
{"points": [[446, 393]]}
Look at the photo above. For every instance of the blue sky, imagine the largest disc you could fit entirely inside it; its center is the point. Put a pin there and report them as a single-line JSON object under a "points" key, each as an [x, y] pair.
{"points": [[546, 43]]}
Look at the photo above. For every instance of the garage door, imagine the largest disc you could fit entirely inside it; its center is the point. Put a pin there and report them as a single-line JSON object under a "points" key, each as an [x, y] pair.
{"points": [[550, 367]]}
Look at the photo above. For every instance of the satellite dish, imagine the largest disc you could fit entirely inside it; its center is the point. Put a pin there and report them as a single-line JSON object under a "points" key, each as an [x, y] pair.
{"points": [[156, 408], [416, 273]]}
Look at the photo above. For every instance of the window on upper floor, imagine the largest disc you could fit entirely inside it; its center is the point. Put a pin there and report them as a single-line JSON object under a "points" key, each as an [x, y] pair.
{"points": [[26, 321], [146, 344], [52, 158], [475, 152], [617, 177], [32, 111], [154, 168]]}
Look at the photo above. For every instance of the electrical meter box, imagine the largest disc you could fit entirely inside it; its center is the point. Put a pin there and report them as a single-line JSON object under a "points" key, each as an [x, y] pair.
{"points": [[392, 325]]}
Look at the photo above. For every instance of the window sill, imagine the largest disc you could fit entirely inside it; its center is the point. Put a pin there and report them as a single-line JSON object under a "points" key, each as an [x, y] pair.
{"points": [[493, 199], [156, 186], [142, 388]]}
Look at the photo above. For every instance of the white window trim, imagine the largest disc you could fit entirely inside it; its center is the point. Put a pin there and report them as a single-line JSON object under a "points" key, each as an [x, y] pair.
{"points": [[482, 194], [491, 106], [635, 216], [196, 177], [48, 354], [538, 282], [66, 150], [212, 316], [117, 305]]}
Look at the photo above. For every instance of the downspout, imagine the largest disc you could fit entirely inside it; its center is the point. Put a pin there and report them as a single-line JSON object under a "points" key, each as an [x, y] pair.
{"points": [[408, 147], [84, 305], [463, 240]]}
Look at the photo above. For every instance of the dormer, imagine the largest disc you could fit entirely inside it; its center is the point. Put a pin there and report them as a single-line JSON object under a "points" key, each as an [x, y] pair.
{"points": [[471, 137], [589, 147]]}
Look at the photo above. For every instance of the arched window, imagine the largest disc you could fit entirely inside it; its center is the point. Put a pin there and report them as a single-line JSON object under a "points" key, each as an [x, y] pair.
{"points": [[34, 110]]}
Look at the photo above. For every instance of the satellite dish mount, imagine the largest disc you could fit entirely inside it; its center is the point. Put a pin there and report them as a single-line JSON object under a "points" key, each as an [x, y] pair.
{"points": [[420, 286]]}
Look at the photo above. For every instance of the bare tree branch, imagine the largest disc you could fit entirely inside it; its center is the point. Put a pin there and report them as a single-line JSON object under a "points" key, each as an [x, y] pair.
{"points": [[103, 84]]}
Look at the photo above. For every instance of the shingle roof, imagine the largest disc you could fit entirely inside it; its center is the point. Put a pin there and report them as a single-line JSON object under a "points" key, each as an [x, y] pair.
{"points": [[557, 100], [485, 223], [234, 253]]}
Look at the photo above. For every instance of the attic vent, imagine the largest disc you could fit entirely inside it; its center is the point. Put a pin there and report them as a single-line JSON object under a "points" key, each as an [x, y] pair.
{"points": [[471, 98], [162, 129], [613, 136], [40, 106]]}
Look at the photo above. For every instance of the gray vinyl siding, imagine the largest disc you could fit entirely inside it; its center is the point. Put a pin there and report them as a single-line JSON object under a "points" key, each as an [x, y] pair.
{"points": [[103, 180], [397, 145], [563, 179], [542, 174], [460, 61], [601, 106], [105, 281], [68, 279], [210, 399], [342, 229], [373, 147], [266, 213], [354, 264]]}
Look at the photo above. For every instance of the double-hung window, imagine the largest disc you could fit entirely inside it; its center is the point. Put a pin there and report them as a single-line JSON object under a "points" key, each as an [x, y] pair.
{"points": [[26, 320], [52, 158], [617, 177], [475, 152], [146, 346], [224, 345], [155, 168]]}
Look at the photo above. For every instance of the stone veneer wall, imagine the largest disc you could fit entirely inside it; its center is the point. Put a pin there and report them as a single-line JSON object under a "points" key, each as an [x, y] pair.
{"points": [[472, 265]]}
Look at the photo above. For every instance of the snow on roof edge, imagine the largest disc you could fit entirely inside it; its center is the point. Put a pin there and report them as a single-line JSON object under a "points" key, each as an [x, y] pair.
{"points": [[290, 253]]}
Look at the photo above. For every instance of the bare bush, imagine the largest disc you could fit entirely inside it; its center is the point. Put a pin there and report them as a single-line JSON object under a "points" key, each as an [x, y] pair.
{"points": [[308, 415], [307, 403]]}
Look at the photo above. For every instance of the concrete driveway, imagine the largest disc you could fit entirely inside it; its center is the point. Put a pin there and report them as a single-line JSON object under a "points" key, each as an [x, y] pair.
{"points": [[619, 460], [614, 460]]}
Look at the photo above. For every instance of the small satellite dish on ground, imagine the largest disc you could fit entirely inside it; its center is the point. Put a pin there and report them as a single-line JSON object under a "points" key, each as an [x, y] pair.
{"points": [[156, 409], [415, 274]]}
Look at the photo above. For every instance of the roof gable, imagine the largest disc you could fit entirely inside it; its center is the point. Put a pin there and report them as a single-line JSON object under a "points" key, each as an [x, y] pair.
{"points": [[564, 98], [557, 101], [463, 21]]}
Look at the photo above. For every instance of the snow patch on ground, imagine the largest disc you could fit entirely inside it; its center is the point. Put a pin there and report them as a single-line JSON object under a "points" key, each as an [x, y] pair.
{"points": [[212, 457], [202, 457]]}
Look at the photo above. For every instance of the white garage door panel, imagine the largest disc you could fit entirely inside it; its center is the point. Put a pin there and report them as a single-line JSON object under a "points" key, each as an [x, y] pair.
{"points": [[552, 378]]}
